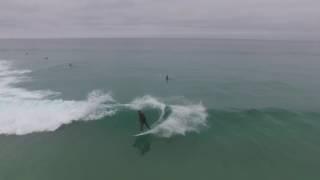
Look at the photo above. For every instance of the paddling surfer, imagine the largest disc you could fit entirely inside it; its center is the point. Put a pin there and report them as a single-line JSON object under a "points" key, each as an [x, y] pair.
{"points": [[142, 120]]}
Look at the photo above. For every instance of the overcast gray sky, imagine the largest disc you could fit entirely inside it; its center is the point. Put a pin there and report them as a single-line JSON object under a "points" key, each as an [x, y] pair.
{"points": [[262, 19]]}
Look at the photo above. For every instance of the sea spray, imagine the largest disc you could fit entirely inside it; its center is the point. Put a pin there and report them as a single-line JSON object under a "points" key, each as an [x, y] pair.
{"points": [[180, 120]]}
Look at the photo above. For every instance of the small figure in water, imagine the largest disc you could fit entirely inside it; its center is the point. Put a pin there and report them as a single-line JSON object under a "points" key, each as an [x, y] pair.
{"points": [[46, 58], [142, 120], [167, 78], [70, 65]]}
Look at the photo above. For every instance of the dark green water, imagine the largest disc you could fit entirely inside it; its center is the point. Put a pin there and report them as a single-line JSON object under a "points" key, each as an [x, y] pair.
{"points": [[261, 98]]}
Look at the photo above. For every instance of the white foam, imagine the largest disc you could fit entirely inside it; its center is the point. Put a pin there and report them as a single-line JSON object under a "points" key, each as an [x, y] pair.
{"points": [[181, 119], [25, 111], [146, 102]]}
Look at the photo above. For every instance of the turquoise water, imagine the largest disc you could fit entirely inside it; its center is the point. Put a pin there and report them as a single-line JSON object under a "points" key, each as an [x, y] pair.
{"points": [[232, 109]]}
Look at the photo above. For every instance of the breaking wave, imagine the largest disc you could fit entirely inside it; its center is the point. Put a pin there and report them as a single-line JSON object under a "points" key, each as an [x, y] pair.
{"points": [[25, 111]]}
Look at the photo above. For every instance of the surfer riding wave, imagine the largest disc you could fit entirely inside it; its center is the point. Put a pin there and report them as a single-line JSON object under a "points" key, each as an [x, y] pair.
{"points": [[46, 110]]}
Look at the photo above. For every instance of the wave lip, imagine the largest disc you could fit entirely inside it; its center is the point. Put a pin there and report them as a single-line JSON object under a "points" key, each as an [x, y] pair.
{"points": [[183, 119]]}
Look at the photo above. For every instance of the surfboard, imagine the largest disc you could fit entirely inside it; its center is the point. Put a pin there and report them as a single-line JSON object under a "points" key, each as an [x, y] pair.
{"points": [[143, 133]]}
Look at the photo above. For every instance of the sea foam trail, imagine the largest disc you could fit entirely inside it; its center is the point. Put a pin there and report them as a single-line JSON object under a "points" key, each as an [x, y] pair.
{"points": [[24, 111]]}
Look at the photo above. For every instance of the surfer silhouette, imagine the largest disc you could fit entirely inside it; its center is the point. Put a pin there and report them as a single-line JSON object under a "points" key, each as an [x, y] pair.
{"points": [[142, 120], [167, 78]]}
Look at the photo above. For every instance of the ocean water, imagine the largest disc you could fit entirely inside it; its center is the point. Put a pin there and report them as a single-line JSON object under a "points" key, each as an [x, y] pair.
{"points": [[232, 109]]}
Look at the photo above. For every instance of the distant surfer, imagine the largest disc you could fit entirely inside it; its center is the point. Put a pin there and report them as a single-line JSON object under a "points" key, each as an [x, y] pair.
{"points": [[70, 65], [167, 78], [142, 120]]}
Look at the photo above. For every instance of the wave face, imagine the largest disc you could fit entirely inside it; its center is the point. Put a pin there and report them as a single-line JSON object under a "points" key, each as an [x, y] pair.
{"points": [[24, 111]]}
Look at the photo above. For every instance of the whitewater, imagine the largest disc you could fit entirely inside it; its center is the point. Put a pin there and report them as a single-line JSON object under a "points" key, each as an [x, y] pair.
{"points": [[24, 111]]}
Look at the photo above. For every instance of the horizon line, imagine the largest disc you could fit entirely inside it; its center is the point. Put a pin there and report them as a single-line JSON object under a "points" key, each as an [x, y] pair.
{"points": [[177, 37]]}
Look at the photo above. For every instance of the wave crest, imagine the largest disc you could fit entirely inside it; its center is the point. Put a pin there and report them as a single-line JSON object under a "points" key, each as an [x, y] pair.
{"points": [[180, 119]]}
